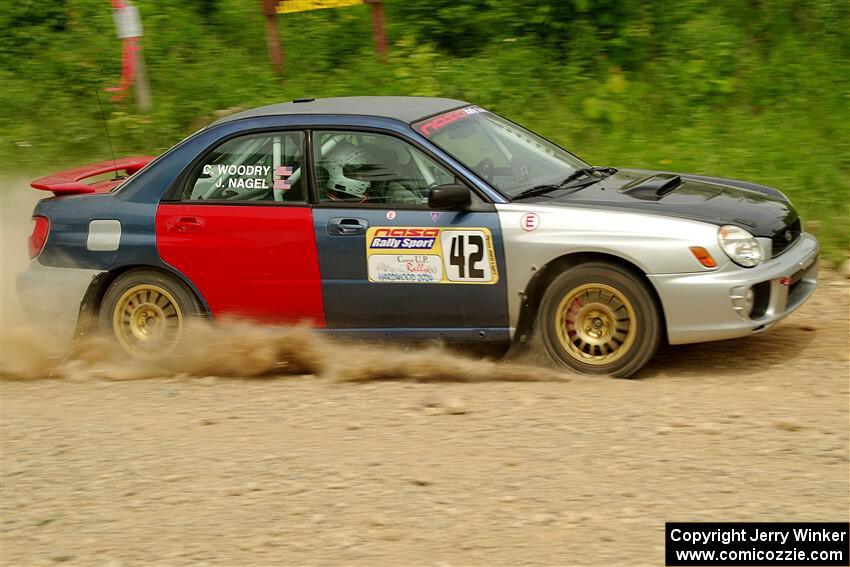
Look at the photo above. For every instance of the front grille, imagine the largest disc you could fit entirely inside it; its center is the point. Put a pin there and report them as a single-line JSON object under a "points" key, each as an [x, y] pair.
{"points": [[785, 237]]}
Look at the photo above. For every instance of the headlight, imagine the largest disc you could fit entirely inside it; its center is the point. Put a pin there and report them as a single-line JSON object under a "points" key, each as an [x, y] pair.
{"points": [[740, 246]]}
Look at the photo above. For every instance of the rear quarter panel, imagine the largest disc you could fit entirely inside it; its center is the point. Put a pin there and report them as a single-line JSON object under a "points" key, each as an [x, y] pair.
{"points": [[70, 216]]}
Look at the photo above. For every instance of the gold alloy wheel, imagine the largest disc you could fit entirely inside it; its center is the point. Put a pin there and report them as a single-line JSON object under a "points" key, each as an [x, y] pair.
{"points": [[147, 320], [596, 324]]}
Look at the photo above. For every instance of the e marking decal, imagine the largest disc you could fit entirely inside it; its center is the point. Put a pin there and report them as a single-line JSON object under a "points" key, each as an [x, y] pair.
{"points": [[529, 222]]}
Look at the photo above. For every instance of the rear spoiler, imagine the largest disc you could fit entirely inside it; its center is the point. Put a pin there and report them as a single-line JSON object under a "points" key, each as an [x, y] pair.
{"points": [[69, 182]]}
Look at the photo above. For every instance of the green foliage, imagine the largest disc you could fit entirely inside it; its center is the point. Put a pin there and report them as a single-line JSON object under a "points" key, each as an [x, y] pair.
{"points": [[748, 88]]}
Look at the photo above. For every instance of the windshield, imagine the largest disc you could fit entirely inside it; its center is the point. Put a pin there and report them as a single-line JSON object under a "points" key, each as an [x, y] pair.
{"points": [[506, 156]]}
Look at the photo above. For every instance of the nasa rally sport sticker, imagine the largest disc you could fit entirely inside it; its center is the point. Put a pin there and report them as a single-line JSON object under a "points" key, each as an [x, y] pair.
{"points": [[430, 255], [529, 222]]}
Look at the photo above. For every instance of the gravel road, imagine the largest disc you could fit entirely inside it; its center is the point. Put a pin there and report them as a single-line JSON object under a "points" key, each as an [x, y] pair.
{"points": [[306, 470]]}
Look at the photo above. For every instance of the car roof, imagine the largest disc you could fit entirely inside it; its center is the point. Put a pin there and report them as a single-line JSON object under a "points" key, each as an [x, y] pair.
{"points": [[405, 108]]}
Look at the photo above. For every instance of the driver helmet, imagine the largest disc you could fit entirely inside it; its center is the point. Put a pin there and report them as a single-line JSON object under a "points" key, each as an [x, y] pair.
{"points": [[346, 167]]}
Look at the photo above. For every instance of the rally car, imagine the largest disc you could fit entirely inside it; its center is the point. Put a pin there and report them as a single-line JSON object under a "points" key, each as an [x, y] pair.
{"points": [[413, 218]]}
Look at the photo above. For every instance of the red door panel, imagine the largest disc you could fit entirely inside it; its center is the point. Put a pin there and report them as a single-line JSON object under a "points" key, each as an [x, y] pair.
{"points": [[258, 262]]}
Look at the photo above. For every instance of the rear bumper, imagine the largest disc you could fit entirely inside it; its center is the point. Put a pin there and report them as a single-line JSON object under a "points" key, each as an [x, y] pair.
{"points": [[51, 297], [702, 306]]}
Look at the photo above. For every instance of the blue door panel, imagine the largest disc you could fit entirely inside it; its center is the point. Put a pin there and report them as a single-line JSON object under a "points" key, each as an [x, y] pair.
{"points": [[353, 302]]}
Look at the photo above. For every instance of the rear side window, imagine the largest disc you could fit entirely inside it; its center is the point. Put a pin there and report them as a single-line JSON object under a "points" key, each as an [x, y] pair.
{"points": [[264, 167]]}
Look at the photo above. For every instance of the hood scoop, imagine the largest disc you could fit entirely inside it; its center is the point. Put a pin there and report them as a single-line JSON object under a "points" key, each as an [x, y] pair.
{"points": [[653, 188]]}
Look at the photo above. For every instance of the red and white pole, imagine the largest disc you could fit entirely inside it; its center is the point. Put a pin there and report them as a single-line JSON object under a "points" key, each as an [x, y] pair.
{"points": [[129, 29]]}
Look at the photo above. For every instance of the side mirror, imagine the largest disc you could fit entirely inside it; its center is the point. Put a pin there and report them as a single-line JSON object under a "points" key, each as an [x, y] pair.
{"points": [[454, 196]]}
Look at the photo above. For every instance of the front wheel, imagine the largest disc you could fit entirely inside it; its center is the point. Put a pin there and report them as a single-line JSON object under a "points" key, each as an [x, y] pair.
{"points": [[598, 318], [146, 312]]}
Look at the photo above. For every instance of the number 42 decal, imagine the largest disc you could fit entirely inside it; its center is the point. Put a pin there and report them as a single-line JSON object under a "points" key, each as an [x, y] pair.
{"points": [[467, 255]]}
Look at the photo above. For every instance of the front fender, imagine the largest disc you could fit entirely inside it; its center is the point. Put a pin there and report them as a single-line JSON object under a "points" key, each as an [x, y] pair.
{"points": [[654, 244]]}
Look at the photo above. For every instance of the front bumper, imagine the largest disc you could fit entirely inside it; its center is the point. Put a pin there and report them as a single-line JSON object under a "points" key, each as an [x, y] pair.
{"points": [[51, 297], [702, 306]]}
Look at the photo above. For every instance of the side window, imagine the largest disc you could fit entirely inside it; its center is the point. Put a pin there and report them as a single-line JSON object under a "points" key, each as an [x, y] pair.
{"points": [[359, 167], [260, 167]]}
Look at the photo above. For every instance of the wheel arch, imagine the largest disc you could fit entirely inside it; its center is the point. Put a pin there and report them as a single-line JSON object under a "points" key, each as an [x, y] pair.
{"points": [[90, 305], [538, 284]]}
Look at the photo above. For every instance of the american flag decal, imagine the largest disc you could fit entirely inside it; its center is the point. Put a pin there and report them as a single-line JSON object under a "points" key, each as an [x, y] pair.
{"points": [[281, 174]]}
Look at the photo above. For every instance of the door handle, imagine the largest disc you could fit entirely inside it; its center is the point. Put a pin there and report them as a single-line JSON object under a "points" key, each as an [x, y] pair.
{"points": [[185, 224], [347, 226]]}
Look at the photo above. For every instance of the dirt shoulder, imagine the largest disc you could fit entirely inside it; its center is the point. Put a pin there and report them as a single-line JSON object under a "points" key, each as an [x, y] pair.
{"points": [[309, 471]]}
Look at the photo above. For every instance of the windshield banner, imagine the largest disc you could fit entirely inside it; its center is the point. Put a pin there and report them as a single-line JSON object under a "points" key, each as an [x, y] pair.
{"points": [[431, 125]]}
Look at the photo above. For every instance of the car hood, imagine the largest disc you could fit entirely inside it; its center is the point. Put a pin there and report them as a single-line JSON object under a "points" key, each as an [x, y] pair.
{"points": [[761, 210]]}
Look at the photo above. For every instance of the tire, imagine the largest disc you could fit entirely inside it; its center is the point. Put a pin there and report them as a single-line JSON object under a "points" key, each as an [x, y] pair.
{"points": [[146, 311], [615, 327]]}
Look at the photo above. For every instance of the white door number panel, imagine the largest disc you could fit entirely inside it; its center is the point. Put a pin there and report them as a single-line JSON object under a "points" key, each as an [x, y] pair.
{"points": [[431, 255], [466, 256]]}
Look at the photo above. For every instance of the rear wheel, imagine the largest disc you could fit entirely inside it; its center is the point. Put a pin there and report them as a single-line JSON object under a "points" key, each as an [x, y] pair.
{"points": [[146, 312], [598, 318]]}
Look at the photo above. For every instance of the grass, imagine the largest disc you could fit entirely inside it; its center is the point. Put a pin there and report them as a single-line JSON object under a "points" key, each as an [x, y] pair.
{"points": [[780, 117]]}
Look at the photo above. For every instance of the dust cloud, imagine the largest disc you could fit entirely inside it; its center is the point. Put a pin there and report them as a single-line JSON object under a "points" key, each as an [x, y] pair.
{"points": [[241, 349], [229, 348], [25, 350]]}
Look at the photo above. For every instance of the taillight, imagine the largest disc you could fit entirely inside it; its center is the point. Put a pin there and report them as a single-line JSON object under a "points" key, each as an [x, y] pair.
{"points": [[40, 228]]}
